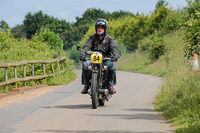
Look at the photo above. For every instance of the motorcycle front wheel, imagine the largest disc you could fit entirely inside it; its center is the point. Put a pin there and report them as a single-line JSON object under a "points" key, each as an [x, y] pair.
{"points": [[94, 91]]}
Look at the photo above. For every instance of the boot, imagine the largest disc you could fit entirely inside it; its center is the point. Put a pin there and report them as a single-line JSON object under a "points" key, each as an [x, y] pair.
{"points": [[111, 90], [85, 90]]}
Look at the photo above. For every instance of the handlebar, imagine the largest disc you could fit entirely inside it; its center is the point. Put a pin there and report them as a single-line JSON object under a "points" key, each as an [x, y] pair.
{"points": [[91, 52], [103, 59]]}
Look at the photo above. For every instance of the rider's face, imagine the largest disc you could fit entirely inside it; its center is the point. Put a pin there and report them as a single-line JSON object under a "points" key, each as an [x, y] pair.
{"points": [[100, 28]]}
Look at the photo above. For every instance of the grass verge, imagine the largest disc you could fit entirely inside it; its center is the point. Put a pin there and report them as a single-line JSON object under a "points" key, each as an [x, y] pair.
{"points": [[179, 99], [62, 79]]}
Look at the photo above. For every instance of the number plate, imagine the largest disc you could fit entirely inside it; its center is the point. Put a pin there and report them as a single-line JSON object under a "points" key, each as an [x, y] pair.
{"points": [[96, 58]]}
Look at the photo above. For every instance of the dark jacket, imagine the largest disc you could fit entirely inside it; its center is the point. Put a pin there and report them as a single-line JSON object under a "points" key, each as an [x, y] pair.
{"points": [[106, 45]]}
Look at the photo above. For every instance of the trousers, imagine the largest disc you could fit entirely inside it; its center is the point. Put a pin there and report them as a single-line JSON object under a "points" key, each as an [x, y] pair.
{"points": [[111, 73]]}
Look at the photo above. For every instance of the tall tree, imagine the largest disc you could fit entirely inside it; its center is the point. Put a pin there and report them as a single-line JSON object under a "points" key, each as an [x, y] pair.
{"points": [[19, 31], [158, 16], [34, 22], [161, 3], [193, 6], [90, 16], [4, 26], [72, 36], [119, 14]]}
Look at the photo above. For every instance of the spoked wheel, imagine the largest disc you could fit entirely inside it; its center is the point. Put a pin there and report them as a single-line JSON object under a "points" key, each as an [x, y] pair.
{"points": [[94, 91]]}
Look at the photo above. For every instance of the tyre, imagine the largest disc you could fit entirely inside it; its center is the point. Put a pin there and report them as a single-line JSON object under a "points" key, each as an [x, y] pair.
{"points": [[101, 102], [94, 91]]}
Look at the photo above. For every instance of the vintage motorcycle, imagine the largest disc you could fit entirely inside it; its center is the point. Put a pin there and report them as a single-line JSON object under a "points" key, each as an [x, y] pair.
{"points": [[97, 90]]}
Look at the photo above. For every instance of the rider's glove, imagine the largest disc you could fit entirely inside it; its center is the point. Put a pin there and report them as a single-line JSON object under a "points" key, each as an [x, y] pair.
{"points": [[82, 57], [115, 58]]}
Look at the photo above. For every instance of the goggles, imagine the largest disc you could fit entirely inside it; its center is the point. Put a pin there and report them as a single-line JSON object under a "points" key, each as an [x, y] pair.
{"points": [[101, 23]]}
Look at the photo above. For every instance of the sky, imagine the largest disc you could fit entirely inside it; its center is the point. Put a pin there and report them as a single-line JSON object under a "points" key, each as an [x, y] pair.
{"points": [[14, 11]]}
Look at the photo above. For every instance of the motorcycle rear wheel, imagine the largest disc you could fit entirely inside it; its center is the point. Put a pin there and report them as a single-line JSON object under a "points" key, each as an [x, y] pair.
{"points": [[94, 91]]}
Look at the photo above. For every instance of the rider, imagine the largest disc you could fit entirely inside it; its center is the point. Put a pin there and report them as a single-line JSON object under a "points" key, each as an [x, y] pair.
{"points": [[104, 43]]}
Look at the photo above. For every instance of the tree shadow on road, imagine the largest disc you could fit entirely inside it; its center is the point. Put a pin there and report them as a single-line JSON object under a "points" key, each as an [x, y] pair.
{"points": [[135, 113], [148, 112], [78, 106], [140, 110], [138, 116], [102, 131]]}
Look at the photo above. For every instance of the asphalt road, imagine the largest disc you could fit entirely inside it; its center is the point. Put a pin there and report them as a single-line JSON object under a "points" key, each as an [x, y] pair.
{"points": [[65, 110]]}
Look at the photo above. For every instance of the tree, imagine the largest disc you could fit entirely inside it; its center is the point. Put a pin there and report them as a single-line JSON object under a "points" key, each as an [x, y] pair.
{"points": [[52, 39], [88, 19], [192, 35], [34, 22], [4, 26], [193, 6], [161, 3], [19, 31], [72, 36], [120, 14], [158, 16], [132, 31], [90, 16]]}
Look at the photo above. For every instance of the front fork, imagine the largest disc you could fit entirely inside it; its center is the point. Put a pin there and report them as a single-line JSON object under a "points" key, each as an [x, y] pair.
{"points": [[101, 76], [98, 69]]}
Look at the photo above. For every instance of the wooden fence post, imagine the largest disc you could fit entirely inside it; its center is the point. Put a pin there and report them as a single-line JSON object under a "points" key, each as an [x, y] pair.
{"points": [[32, 69], [6, 78], [33, 73], [52, 67], [15, 74], [44, 71], [63, 63], [24, 71], [58, 66]]}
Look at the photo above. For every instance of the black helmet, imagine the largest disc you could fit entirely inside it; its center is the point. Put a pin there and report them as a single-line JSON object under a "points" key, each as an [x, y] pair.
{"points": [[101, 22]]}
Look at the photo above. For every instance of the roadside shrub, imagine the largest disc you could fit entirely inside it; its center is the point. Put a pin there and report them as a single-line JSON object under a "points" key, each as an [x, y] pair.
{"points": [[193, 6], [52, 39], [157, 49], [132, 31], [174, 20], [154, 44], [121, 47], [192, 36], [145, 44], [15, 50], [73, 54]]}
